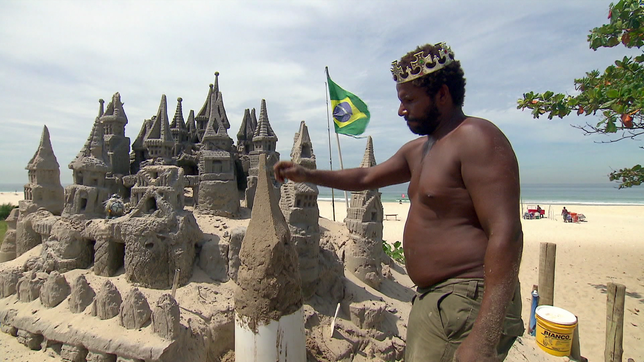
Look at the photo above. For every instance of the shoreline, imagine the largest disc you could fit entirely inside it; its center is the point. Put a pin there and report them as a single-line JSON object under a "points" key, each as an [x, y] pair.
{"points": [[606, 248], [546, 203]]}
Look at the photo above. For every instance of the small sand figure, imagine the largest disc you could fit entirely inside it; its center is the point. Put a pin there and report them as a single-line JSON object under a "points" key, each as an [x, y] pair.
{"points": [[114, 207]]}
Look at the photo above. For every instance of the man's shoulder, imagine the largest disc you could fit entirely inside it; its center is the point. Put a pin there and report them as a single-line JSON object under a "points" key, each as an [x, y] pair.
{"points": [[477, 136], [477, 124], [475, 129]]}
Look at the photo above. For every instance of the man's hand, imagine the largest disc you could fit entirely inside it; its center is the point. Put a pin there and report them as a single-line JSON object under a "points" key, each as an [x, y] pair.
{"points": [[289, 170]]}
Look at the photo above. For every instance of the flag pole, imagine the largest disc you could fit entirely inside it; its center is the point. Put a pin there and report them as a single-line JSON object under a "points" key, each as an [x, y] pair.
{"points": [[346, 199], [328, 124]]}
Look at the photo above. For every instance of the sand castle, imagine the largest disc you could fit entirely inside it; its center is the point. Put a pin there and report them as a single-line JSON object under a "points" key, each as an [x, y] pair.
{"points": [[150, 256]]}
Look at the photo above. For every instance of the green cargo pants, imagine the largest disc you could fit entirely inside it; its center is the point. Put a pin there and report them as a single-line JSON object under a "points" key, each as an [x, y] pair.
{"points": [[443, 315]]}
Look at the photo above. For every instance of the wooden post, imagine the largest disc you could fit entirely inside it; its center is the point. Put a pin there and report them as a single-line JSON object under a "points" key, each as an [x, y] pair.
{"points": [[547, 256], [616, 294], [575, 350]]}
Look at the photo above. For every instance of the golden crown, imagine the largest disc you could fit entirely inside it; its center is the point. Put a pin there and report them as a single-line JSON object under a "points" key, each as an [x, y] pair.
{"points": [[423, 65]]}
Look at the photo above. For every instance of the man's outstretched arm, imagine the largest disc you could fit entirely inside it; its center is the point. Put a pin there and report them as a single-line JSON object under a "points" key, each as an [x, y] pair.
{"points": [[393, 171]]}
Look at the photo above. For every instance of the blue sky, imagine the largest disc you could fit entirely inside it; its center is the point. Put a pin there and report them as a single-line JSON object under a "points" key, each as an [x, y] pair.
{"points": [[59, 57]]}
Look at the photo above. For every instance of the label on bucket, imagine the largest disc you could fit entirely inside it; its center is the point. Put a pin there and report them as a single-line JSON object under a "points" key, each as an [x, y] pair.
{"points": [[556, 315], [555, 329]]}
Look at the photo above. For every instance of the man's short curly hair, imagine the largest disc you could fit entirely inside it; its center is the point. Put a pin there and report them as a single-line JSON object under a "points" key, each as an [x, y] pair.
{"points": [[452, 75]]}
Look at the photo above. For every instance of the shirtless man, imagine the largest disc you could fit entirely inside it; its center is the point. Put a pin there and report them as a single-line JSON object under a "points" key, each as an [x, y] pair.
{"points": [[463, 237]]}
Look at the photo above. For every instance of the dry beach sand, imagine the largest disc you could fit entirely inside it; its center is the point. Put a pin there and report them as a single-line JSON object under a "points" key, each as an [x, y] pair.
{"points": [[607, 248]]}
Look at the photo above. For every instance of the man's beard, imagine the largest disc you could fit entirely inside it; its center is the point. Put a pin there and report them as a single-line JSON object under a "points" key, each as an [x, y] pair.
{"points": [[427, 124]]}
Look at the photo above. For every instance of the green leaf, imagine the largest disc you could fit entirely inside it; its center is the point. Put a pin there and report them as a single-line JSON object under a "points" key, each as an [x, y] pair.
{"points": [[612, 93]]}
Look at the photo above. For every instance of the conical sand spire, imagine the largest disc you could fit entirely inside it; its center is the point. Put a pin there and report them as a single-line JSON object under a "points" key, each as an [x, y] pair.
{"points": [[177, 120], [245, 130], [44, 158], [269, 280], [369, 158], [161, 127], [93, 155], [302, 151], [264, 128]]}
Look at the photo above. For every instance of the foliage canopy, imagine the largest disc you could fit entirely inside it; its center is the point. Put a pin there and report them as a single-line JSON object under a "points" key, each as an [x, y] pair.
{"points": [[617, 94]]}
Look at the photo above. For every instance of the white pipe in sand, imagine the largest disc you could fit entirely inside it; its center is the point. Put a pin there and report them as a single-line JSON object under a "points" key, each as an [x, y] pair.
{"points": [[282, 341]]}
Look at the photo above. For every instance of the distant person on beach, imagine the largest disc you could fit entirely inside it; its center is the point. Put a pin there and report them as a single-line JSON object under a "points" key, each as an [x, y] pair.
{"points": [[565, 214], [463, 238]]}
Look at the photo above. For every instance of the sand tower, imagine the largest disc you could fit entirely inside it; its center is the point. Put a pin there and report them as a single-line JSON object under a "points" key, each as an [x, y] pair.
{"points": [[89, 173], [364, 221], [264, 142], [178, 129], [158, 140], [118, 146], [299, 204], [214, 102], [44, 188], [217, 183], [269, 320]]}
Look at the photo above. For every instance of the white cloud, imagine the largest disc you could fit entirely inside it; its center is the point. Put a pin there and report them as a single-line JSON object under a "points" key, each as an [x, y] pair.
{"points": [[58, 58]]}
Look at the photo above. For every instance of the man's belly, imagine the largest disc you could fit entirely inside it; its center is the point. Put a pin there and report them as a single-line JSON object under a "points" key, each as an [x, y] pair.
{"points": [[439, 249]]}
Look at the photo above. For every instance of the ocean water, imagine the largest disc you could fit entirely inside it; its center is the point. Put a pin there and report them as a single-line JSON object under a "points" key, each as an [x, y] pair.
{"points": [[546, 194]]}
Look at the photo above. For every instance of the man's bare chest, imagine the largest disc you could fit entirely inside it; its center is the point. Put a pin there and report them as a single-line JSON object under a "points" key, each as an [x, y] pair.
{"points": [[436, 176]]}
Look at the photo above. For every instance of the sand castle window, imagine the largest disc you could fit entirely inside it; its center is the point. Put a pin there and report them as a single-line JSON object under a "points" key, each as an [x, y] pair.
{"points": [[150, 205], [374, 216], [306, 152], [215, 166], [90, 248], [83, 204]]}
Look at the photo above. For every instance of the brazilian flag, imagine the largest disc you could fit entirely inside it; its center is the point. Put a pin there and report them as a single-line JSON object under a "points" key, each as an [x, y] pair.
{"points": [[350, 113]]}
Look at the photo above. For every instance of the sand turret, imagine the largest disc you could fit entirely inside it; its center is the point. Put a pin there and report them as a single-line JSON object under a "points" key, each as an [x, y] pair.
{"points": [[264, 143], [299, 205], [118, 146], [158, 141], [364, 221], [269, 323], [214, 102], [44, 188], [217, 183], [178, 130], [89, 173], [245, 134]]}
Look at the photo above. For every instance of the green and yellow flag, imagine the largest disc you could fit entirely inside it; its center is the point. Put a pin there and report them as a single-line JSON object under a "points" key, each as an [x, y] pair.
{"points": [[350, 113]]}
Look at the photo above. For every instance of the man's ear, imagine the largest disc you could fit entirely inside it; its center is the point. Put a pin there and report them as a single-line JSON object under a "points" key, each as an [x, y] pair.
{"points": [[443, 96]]}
